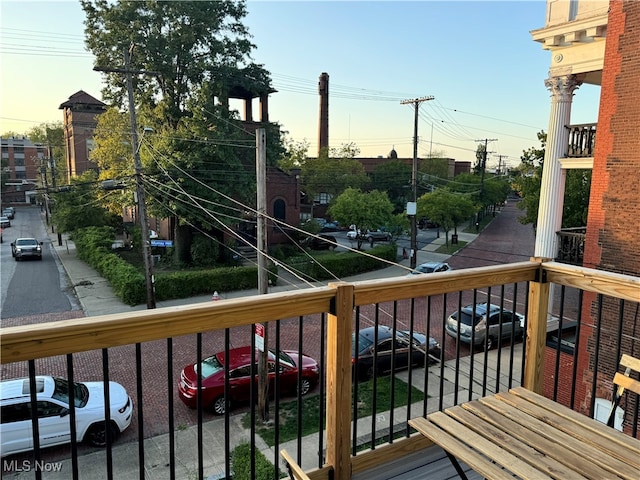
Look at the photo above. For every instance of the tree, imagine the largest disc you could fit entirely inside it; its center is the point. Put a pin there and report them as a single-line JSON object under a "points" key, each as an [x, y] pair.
{"points": [[52, 136], [527, 181], [576, 198], [79, 205], [198, 52], [295, 155], [334, 171], [367, 211], [393, 177], [446, 208]]}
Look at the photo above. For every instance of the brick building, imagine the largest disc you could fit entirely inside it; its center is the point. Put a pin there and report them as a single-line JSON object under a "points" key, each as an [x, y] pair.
{"points": [[80, 114], [575, 33], [23, 165]]}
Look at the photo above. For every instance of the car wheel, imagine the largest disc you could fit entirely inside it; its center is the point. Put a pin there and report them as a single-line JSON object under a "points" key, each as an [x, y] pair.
{"points": [[97, 435], [17, 259], [305, 386], [219, 406]]}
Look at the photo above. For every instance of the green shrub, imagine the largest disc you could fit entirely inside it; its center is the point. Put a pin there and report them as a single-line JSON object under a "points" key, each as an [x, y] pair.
{"points": [[204, 251], [344, 264], [241, 464]]}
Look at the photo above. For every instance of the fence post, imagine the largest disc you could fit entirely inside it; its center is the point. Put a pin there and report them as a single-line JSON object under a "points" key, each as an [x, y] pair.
{"points": [[339, 326], [536, 341]]}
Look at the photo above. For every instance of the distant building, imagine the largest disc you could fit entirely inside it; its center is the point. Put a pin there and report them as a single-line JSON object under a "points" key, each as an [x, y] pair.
{"points": [[23, 164], [80, 113]]}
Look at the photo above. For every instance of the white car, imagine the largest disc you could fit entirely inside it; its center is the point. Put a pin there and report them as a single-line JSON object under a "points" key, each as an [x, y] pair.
{"points": [[16, 433], [430, 267], [352, 234]]}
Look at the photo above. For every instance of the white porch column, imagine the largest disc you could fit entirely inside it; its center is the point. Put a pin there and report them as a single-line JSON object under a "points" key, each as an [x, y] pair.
{"points": [[553, 176]]}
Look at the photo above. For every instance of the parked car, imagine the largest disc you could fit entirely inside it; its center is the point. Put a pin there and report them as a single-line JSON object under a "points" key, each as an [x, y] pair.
{"points": [[383, 350], [26, 248], [489, 324], [426, 223], [53, 409], [239, 363], [330, 227], [430, 267], [322, 242], [4, 222], [377, 235], [9, 212], [370, 235]]}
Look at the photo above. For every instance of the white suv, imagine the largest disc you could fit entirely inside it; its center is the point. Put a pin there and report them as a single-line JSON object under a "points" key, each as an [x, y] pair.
{"points": [[16, 433]]}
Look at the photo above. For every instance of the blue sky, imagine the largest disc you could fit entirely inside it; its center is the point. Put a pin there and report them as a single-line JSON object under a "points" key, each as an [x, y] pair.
{"points": [[476, 58]]}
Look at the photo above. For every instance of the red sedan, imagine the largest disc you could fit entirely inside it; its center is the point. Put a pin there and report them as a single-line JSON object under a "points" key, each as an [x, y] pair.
{"points": [[239, 360]]}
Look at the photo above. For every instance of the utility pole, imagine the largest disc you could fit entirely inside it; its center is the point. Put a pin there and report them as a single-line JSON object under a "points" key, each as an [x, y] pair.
{"points": [[412, 209], [483, 166], [140, 193], [263, 279]]}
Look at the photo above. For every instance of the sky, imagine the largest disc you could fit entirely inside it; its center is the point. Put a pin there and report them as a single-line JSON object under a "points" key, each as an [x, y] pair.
{"points": [[475, 58]]}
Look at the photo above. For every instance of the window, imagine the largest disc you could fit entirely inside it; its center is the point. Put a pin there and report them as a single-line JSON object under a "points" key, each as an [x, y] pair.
{"points": [[17, 412], [240, 372]]}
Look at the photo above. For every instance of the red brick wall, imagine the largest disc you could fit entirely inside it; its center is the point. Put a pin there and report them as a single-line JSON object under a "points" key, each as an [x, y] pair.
{"points": [[613, 224]]}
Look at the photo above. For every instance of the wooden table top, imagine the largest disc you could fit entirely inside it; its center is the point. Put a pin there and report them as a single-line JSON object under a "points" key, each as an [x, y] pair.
{"points": [[525, 434]]}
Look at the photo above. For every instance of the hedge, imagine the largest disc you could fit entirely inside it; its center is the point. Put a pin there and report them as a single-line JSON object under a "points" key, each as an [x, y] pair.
{"points": [[93, 245]]}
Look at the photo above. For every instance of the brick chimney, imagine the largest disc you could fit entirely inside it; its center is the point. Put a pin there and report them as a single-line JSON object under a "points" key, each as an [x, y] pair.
{"points": [[323, 133]]}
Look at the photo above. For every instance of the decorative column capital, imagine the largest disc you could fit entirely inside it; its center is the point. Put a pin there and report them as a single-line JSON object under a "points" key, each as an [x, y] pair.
{"points": [[563, 86]]}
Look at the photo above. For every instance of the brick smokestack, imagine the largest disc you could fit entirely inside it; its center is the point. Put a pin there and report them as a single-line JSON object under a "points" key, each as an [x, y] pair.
{"points": [[323, 132]]}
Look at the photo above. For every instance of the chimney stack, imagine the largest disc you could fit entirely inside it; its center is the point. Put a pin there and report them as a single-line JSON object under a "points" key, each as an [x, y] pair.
{"points": [[323, 134]]}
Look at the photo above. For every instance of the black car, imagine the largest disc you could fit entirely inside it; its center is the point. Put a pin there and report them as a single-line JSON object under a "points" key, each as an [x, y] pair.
{"points": [[321, 242], [387, 349]]}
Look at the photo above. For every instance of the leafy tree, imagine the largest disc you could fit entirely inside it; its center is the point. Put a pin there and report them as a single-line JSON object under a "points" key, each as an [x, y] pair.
{"points": [[367, 211], [295, 155], [52, 136], [200, 55], [334, 171], [446, 208], [393, 177], [527, 181], [576, 198], [481, 153], [80, 205]]}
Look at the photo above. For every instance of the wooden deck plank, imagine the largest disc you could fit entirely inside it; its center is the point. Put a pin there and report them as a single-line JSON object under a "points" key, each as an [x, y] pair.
{"points": [[601, 429], [559, 456], [464, 453], [583, 428], [549, 427], [517, 440]]}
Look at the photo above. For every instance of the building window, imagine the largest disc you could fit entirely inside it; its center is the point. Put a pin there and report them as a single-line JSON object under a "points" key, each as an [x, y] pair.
{"points": [[18, 162], [21, 175]]}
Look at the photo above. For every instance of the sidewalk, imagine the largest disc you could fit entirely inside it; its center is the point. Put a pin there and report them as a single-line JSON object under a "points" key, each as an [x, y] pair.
{"points": [[96, 298]]}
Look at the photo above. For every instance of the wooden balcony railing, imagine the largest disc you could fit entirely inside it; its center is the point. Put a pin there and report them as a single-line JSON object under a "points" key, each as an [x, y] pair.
{"points": [[582, 140], [325, 319]]}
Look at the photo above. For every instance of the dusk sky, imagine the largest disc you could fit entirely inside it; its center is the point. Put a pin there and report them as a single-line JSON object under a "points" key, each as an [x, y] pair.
{"points": [[476, 58]]}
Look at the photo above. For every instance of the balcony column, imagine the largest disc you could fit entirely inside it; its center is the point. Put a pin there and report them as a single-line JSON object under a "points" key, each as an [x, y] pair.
{"points": [[553, 176]]}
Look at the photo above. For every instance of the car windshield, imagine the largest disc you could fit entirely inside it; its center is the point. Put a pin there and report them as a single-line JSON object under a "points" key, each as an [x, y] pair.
{"points": [[425, 269], [363, 343], [62, 389], [26, 242], [210, 366]]}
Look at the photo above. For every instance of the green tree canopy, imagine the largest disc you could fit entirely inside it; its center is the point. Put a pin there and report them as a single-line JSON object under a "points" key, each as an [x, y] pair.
{"points": [[393, 177], [333, 172], [80, 205], [365, 210], [446, 208]]}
